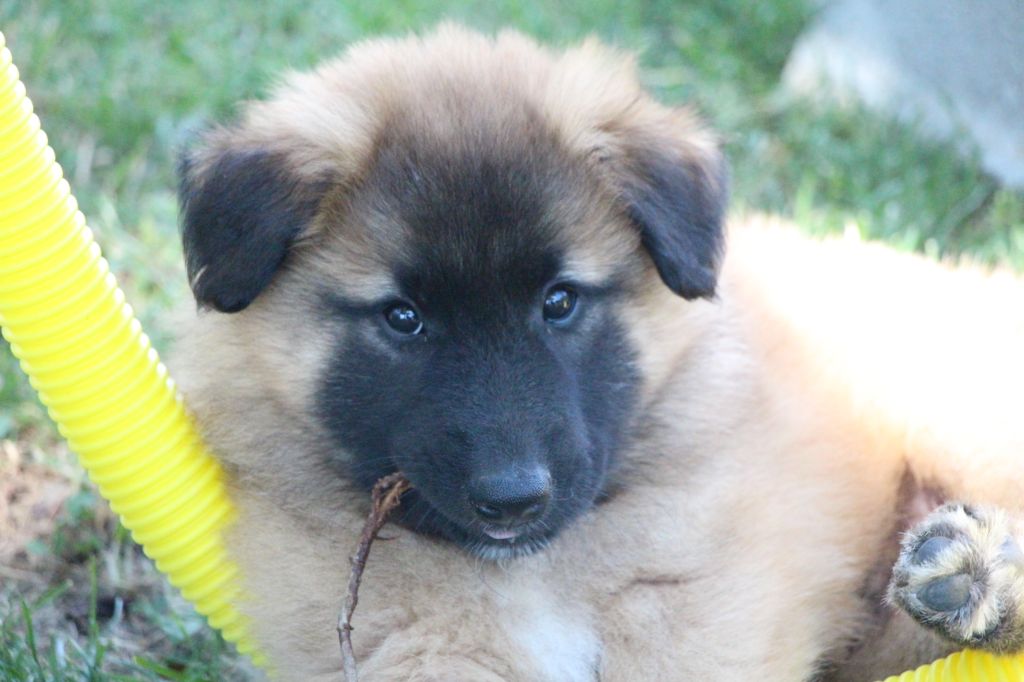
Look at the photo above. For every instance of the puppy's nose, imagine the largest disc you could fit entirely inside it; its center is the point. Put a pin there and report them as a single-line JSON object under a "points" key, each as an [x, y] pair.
{"points": [[512, 498]]}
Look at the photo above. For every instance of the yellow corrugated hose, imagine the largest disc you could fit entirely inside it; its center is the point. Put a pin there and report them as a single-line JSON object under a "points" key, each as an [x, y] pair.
{"points": [[104, 386], [102, 382], [967, 666]]}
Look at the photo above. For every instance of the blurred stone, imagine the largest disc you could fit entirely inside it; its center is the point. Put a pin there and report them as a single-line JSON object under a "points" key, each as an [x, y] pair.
{"points": [[956, 67]]}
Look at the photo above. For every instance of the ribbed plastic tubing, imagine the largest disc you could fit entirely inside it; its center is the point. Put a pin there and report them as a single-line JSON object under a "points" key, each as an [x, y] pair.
{"points": [[104, 386], [967, 666], [100, 379]]}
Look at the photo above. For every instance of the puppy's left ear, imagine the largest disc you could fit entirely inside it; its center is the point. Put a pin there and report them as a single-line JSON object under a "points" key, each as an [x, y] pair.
{"points": [[241, 211], [676, 193]]}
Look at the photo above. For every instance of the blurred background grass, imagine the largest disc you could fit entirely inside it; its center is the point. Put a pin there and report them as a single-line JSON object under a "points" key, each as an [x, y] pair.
{"points": [[119, 85]]}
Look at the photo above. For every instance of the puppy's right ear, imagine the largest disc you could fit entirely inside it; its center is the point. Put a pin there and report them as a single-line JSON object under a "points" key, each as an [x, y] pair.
{"points": [[676, 194], [241, 210]]}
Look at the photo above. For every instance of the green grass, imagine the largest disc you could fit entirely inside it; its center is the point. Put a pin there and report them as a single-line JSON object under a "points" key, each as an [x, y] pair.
{"points": [[90, 653], [120, 85], [106, 615]]}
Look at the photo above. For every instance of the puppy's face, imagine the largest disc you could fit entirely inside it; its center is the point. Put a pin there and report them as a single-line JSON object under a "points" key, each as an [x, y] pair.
{"points": [[488, 364], [469, 258]]}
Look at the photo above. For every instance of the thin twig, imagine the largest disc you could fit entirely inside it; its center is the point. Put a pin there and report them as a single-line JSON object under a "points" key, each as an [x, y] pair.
{"points": [[386, 495]]}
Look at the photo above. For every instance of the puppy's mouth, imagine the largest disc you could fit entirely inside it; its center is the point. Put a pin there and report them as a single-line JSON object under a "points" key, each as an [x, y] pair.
{"points": [[495, 543], [498, 544], [524, 534], [502, 533], [487, 541]]}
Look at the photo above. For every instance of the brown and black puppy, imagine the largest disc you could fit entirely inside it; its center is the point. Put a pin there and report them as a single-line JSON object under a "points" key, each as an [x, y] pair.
{"points": [[499, 269]]}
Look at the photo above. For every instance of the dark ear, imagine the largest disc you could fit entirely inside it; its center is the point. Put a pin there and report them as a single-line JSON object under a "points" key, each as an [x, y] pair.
{"points": [[239, 216], [678, 204]]}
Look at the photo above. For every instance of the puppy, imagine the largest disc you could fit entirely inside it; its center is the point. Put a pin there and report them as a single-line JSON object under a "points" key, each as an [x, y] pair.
{"points": [[499, 269]]}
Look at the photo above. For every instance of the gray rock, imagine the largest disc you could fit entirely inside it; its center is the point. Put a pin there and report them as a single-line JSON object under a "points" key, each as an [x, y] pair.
{"points": [[956, 67]]}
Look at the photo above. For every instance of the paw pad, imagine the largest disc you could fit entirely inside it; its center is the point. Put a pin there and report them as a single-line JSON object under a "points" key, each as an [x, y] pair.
{"points": [[930, 549], [946, 594], [1012, 553]]}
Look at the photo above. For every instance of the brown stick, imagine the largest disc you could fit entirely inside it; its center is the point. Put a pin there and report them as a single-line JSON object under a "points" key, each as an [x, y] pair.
{"points": [[386, 494]]}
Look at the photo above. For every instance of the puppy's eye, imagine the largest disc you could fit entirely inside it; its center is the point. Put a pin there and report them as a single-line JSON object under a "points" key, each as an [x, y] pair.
{"points": [[559, 303], [403, 319]]}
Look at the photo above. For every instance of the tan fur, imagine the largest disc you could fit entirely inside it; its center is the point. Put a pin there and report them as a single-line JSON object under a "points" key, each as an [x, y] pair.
{"points": [[780, 418]]}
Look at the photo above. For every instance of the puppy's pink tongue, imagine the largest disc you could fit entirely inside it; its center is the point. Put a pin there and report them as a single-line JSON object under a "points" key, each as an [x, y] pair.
{"points": [[498, 534]]}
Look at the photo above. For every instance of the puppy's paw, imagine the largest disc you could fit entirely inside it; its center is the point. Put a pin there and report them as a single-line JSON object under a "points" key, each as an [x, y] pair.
{"points": [[961, 572]]}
